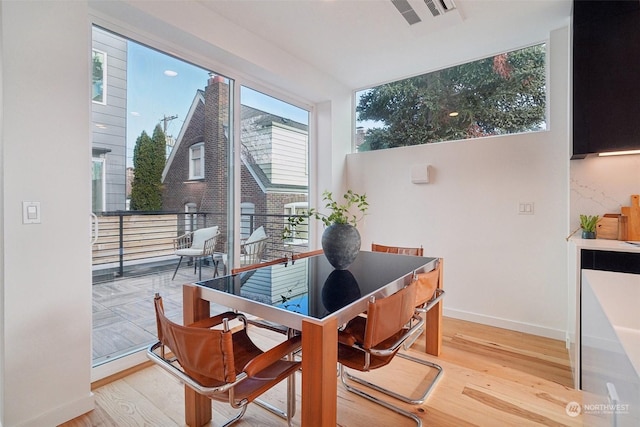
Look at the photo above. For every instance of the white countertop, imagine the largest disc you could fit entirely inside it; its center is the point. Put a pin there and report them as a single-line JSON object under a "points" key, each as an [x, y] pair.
{"points": [[605, 245], [619, 296]]}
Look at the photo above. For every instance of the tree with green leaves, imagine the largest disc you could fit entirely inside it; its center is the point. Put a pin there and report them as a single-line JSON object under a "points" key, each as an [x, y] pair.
{"points": [[148, 163], [493, 96]]}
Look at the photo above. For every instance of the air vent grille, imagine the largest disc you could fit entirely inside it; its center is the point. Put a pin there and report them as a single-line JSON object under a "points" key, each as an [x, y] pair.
{"points": [[438, 7], [432, 7], [406, 11]]}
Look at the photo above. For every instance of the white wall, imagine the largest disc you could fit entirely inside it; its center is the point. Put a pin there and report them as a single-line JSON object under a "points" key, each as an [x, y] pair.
{"points": [[1, 233], [501, 268], [46, 275]]}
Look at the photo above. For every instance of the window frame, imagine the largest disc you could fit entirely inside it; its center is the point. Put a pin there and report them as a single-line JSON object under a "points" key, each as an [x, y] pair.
{"points": [[237, 77], [358, 130], [95, 52], [103, 185], [192, 148]]}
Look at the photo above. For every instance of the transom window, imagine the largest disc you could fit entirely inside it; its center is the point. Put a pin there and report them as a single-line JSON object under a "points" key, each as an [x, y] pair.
{"points": [[502, 94]]}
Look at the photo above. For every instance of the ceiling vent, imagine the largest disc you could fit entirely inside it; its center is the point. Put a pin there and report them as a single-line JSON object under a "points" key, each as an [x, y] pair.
{"points": [[436, 7], [406, 11], [439, 7]]}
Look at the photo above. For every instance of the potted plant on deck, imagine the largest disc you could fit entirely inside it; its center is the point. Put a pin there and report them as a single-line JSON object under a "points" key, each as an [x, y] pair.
{"points": [[588, 224], [340, 239]]}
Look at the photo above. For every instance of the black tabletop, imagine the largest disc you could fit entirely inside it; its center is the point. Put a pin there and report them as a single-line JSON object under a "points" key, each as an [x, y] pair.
{"points": [[312, 287]]}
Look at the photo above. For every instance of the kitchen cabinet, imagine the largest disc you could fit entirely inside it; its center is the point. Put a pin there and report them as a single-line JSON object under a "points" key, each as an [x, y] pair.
{"points": [[606, 89], [621, 262]]}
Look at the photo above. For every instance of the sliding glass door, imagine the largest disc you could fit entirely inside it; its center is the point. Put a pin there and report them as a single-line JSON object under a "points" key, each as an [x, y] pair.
{"points": [[163, 145], [161, 169]]}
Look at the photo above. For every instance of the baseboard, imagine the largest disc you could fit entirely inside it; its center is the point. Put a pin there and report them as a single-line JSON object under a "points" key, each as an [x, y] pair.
{"points": [[115, 366], [528, 328], [62, 414]]}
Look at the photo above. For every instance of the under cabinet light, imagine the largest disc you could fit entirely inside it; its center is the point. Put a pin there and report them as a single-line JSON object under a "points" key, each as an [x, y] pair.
{"points": [[619, 153]]}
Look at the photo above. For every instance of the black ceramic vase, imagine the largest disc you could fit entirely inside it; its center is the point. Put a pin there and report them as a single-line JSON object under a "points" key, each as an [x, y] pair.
{"points": [[341, 245], [588, 234]]}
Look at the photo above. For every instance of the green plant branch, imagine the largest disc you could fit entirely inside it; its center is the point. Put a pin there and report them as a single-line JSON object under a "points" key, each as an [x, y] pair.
{"points": [[341, 213]]}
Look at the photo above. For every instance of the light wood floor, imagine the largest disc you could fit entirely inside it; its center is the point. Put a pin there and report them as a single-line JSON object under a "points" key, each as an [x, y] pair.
{"points": [[492, 377]]}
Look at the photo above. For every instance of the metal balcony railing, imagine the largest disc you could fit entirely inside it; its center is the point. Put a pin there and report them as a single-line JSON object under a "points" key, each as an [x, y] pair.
{"points": [[133, 243]]}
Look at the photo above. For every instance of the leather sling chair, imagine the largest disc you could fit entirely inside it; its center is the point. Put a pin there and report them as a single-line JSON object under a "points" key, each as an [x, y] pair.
{"points": [[221, 363], [371, 341], [428, 295]]}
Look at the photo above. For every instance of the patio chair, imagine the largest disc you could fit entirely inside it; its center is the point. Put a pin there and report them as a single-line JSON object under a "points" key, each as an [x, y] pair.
{"points": [[197, 244], [252, 249], [371, 342], [223, 363]]}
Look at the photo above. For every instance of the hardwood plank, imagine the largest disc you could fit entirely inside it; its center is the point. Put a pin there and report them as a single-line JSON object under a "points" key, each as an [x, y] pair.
{"points": [[492, 377], [127, 407]]}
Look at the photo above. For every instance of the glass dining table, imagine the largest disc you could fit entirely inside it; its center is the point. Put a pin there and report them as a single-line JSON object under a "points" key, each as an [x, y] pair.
{"points": [[310, 296]]}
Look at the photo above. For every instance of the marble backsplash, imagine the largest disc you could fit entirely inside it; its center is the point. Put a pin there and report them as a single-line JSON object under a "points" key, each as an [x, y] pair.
{"points": [[601, 185]]}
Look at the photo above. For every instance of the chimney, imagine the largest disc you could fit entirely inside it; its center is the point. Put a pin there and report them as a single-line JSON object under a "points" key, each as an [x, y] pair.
{"points": [[214, 79]]}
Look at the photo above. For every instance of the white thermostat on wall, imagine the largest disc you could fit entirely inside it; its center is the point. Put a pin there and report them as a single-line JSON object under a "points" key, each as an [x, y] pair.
{"points": [[31, 212], [420, 174]]}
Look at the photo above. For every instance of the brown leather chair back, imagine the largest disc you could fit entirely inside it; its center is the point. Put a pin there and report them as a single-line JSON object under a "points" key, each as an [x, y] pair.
{"points": [[205, 354], [386, 316], [397, 250], [427, 284]]}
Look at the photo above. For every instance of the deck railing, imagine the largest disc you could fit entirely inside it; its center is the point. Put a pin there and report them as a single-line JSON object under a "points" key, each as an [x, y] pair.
{"points": [[130, 242]]}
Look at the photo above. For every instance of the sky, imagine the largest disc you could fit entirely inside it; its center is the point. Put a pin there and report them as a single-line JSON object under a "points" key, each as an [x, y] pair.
{"points": [[160, 85]]}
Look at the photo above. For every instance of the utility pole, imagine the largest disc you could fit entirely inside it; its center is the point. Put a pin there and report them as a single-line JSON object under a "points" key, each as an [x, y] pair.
{"points": [[168, 139], [165, 120]]}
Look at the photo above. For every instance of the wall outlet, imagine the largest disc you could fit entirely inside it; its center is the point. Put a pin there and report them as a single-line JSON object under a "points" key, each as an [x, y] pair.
{"points": [[525, 208]]}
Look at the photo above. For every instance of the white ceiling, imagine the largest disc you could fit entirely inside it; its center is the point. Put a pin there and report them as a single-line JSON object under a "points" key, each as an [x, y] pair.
{"points": [[367, 42]]}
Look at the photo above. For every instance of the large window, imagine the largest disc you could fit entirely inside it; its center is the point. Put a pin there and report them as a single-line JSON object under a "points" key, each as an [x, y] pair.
{"points": [[502, 94], [274, 137], [161, 141], [163, 137]]}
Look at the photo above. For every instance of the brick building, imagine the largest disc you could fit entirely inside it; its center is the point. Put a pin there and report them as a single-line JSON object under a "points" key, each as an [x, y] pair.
{"points": [[273, 164]]}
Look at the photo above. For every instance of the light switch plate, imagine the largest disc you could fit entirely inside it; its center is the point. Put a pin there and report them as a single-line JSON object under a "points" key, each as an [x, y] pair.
{"points": [[31, 212]]}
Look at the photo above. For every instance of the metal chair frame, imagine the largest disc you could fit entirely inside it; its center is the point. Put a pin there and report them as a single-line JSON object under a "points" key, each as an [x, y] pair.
{"points": [[385, 350]]}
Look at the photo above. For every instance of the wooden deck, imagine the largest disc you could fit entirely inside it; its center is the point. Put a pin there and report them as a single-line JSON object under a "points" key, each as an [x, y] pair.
{"points": [[123, 314]]}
